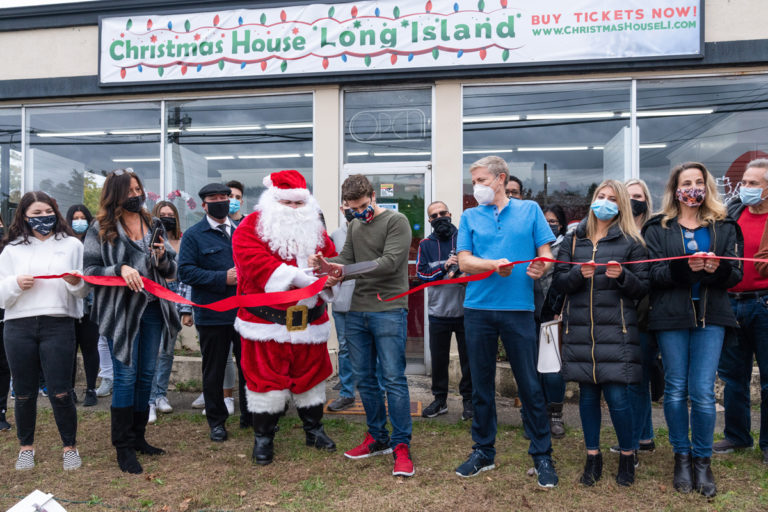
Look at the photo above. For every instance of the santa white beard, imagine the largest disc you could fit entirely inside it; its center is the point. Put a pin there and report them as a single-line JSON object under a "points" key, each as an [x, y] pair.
{"points": [[292, 233]]}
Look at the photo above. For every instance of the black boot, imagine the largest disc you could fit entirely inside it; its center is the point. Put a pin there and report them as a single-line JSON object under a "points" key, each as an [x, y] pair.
{"points": [[123, 439], [626, 475], [264, 428], [593, 469], [683, 480], [313, 426], [139, 430], [556, 425], [703, 479]]}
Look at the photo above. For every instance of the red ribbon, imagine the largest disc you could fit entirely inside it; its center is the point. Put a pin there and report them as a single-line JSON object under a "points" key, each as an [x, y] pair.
{"points": [[293, 296], [236, 301]]}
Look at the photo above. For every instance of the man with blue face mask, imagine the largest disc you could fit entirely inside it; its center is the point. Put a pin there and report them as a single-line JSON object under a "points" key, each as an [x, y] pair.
{"points": [[749, 299], [235, 201], [491, 235]]}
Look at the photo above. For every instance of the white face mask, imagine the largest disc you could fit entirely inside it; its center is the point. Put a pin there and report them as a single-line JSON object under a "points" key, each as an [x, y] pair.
{"points": [[484, 194]]}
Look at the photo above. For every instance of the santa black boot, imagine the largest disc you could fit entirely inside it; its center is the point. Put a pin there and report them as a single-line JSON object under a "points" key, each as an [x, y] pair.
{"points": [[264, 428], [313, 426]]}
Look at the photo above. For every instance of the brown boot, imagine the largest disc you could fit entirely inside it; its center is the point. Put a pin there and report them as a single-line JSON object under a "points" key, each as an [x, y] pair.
{"points": [[556, 425]]}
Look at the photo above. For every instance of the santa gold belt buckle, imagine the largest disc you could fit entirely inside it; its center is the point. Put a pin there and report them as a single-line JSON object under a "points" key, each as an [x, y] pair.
{"points": [[304, 310]]}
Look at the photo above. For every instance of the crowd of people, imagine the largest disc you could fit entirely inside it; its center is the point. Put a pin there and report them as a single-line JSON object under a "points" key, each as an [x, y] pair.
{"points": [[626, 284]]}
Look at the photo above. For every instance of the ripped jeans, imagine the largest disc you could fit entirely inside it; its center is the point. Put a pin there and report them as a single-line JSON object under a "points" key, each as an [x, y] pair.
{"points": [[45, 342]]}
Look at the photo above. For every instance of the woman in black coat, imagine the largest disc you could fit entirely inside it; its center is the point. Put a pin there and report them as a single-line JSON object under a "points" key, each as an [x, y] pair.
{"points": [[600, 340], [690, 311]]}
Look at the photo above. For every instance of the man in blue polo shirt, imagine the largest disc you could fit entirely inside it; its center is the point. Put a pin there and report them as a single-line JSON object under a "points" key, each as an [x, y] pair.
{"points": [[491, 235]]}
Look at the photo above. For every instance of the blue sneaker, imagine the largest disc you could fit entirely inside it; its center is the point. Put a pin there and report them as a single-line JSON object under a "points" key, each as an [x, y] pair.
{"points": [[545, 472], [44, 390], [474, 465]]}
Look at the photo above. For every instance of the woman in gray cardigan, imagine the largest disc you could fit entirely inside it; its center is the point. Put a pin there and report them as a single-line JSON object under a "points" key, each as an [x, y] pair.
{"points": [[118, 244]]}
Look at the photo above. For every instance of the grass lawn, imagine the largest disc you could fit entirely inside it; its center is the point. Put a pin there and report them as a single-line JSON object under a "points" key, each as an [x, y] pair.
{"points": [[196, 474]]}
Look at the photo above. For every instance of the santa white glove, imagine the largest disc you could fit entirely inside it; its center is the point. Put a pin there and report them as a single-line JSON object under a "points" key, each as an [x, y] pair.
{"points": [[301, 279]]}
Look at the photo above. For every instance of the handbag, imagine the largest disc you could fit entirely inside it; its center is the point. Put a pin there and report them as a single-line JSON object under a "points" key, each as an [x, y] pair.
{"points": [[549, 347]]}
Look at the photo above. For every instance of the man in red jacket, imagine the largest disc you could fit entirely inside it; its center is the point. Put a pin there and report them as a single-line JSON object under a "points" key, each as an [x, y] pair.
{"points": [[284, 353]]}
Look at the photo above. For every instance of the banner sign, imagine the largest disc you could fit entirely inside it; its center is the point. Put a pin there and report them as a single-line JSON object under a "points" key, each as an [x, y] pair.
{"points": [[386, 35]]}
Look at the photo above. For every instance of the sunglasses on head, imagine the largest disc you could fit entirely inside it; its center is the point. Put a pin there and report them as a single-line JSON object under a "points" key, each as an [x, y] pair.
{"points": [[441, 213], [120, 172]]}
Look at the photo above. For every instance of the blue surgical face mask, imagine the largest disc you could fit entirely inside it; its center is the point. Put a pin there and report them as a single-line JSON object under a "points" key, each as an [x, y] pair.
{"points": [[750, 196], [80, 226], [234, 206], [604, 209]]}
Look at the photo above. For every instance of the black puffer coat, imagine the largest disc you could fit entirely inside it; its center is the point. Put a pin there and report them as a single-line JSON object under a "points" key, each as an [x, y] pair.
{"points": [[600, 340], [671, 281]]}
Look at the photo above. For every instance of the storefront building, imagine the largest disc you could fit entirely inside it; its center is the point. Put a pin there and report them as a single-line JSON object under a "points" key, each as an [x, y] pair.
{"points": [[407, 93]]}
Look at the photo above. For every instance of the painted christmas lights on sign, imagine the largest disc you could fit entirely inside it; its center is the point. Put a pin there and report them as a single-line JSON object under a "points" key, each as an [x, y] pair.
{"points": [[391, 35]]}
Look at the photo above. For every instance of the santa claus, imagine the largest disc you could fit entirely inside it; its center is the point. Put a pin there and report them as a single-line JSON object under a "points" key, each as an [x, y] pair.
{"points": [[284, 353]]}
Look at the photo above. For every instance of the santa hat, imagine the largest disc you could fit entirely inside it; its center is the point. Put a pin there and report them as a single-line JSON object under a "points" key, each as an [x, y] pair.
{"points": [[287, 185]]}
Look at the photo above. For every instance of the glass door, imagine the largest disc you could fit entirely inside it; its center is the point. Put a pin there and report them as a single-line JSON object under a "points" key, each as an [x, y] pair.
{"points": [[405, 188]]}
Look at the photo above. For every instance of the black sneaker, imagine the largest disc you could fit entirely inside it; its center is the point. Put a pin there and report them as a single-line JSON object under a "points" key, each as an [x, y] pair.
{"points": [[436, 408], [643, 447], [474, 465], [4, 425], [341, 403], [90, 398], [469, 410], [727, 446], [546, 475]]}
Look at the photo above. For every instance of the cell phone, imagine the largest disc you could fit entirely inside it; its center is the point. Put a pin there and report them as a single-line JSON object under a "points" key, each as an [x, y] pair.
{"points": [[157, 233]]}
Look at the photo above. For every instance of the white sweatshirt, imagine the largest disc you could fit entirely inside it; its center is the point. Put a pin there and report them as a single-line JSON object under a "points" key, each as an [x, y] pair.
{"points": [[52, 297]]}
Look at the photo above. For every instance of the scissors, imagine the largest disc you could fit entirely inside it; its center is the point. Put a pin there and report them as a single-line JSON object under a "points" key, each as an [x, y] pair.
{"points": [[338, 271]]}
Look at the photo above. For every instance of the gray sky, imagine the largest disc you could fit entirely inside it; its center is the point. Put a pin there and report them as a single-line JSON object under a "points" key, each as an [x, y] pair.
{"points": [[4, 4]]}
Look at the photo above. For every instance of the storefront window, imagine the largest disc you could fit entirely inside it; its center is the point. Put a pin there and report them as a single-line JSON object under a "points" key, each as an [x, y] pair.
{"points": [[388, 126], [560, 140], [10, 162], [243, 139], [720, 122], [71, 149]]}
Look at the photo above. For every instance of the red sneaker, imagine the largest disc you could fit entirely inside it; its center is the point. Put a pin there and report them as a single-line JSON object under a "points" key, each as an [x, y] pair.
{"points": [[368, 448], [403, 462]]}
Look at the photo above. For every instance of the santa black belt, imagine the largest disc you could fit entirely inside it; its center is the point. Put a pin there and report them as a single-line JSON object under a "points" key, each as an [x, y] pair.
{"points": [[295, 318]]}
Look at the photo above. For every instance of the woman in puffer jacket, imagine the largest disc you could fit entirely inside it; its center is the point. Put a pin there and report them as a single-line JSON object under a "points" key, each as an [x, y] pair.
{"points": [[601, 348]]}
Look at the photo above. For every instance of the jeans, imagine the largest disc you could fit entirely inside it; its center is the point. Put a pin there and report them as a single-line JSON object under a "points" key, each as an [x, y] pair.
{"points": [[383, 335], [105, 359], [440, 330], [518, 334], [87, 338], [345, 370], [163, 369], [45, 342], [640, 394], [735, 369], [215, 344], [690, 359], [132, 383], [619, 405]]}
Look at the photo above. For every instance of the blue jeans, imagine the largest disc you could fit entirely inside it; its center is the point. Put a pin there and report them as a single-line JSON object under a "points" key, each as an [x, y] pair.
{"points": [[133, 383], [383, 335], [346, 375], [163, 369], [640, 394], [518, 334], [736, 370], [619, 405], [690, 359]]}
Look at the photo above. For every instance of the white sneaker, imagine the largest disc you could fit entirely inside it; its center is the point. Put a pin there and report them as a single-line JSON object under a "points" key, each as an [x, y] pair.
{"points": [[203, 412], [230, 403], [199, 402], [152, 414], [105, 388], [71, 460], [163, 405]]}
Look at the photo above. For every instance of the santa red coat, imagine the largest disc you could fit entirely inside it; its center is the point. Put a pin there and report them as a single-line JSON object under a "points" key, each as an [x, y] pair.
{"points": [[276, 362]]}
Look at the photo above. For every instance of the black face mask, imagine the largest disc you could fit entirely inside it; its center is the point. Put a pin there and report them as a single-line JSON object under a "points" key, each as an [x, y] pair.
{"points": [[2, 232], [219, 209], [442, 227], [638, 207], [349, 214], [134, 204], [169, 223]]}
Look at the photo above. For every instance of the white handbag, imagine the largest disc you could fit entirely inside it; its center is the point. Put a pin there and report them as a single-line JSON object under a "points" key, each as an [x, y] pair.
{"points": [[549, 347]]}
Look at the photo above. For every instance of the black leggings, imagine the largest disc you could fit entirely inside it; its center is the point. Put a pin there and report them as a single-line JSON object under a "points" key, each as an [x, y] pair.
{"points": [[87, 338]]}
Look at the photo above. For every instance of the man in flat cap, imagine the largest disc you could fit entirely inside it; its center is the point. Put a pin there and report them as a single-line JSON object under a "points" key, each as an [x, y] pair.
{"points": [[206, 265]]}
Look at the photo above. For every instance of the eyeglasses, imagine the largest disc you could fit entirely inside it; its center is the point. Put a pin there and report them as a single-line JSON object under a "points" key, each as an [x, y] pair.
{"points": [[691, 242], [553, 223], [441, 213], [513, 193]]}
